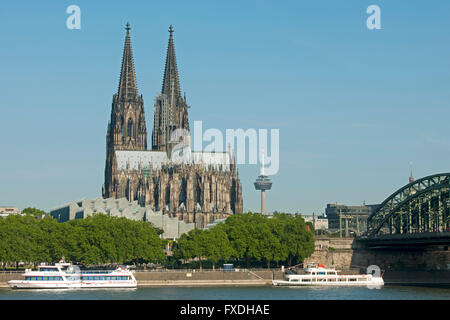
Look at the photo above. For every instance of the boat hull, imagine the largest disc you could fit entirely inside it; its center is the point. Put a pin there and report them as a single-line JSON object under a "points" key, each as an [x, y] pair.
{"points": [[373, 282], [22, 284]]}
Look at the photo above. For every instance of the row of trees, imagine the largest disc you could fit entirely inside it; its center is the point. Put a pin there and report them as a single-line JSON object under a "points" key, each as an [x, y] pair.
{"points": [[99, 239], [246, 239], [250, 238]]}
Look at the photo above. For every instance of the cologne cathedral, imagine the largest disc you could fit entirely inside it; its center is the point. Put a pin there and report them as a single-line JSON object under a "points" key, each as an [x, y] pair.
{"points": [[194, 186]]}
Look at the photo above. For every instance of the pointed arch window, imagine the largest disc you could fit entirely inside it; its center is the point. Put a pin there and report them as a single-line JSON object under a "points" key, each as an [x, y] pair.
{"points": [[130, 128]]}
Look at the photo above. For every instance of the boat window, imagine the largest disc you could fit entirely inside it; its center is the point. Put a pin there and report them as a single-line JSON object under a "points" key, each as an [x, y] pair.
{"points": [[321, 273]]}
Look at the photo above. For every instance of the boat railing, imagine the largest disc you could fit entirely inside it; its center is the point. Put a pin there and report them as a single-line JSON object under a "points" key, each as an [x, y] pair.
{"points": [[96, 271]]}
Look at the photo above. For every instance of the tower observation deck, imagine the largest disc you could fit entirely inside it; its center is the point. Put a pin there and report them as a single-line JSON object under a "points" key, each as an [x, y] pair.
{"points": [[263, 183]]}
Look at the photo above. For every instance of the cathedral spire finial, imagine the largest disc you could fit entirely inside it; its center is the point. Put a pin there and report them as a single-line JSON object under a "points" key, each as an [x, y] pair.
{"points": [[170, 30], [127, 27]]}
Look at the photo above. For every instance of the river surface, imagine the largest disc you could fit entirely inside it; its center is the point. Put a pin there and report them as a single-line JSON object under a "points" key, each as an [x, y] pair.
{"points": [[387, 292]]}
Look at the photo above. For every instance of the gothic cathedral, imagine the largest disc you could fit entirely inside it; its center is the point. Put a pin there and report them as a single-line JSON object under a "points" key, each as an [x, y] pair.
{"points": [[194, 186]]}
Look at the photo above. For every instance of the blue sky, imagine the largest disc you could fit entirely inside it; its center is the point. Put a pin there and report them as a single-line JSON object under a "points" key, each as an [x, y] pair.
{"points": [[354, 106]]}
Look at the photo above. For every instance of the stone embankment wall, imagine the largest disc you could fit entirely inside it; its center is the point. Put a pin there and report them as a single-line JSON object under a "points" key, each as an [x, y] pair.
{"points": [[207, 278], [332, 252], [6, 276]]}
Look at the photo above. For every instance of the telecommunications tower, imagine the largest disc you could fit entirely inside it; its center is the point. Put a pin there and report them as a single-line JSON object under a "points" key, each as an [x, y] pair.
{"points": [[263, 183]]}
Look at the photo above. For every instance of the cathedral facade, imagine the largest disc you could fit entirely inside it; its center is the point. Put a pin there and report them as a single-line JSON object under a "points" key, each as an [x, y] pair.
{"points": [[194, 186]]}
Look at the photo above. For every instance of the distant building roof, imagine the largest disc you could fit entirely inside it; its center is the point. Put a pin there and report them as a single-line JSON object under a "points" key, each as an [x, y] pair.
{"points": [[215, 223], [6, 211]]}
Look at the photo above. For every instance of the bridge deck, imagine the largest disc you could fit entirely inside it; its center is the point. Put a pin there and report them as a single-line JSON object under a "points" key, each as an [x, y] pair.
{"points": [[409, 240]]}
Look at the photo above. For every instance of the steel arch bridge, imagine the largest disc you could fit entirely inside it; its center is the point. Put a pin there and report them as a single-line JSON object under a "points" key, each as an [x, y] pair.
{"points": [[422, 206]]}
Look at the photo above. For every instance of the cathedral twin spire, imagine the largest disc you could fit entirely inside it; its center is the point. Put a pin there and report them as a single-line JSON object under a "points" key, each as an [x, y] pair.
{"points": [[171, 83], [128, 116], [127, 83]]}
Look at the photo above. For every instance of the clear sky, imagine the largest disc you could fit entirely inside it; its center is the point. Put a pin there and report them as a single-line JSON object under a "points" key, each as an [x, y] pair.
{"points": [[354, 106]]}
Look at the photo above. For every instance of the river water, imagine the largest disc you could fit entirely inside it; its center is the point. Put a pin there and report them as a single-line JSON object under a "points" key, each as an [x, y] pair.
{"points": [[387, 292]]}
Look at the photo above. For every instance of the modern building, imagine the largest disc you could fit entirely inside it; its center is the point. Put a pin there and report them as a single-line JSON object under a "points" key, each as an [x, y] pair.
{"points": [[189, 185], [348, 219], [173, 227], [6, 211]]}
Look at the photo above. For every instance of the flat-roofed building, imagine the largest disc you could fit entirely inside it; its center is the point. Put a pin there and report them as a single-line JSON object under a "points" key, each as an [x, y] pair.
{"points": [[348, 219], [6, 211], [319, 222]]}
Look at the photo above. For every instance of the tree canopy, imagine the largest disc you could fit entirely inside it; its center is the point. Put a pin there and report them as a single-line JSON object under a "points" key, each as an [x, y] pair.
{"points": [[99, 239], [245, 239], [34, 212], [250, 237]]}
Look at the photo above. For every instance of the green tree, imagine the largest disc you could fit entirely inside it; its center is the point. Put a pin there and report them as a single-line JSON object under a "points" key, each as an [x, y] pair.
{"points": [[218, 246], [96, 239], [34, 212], [191, 245]]}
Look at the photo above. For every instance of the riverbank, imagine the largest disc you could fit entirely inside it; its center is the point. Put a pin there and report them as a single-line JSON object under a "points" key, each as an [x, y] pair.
{"points": [[188, 278], [248, 278]]}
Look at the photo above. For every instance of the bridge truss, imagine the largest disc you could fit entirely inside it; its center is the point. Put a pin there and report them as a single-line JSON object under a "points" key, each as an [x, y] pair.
{"points": [[419, 207]]}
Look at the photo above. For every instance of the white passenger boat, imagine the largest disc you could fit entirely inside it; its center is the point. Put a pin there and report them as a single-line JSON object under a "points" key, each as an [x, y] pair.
{"points": [[321, 276], [66, 276]]}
